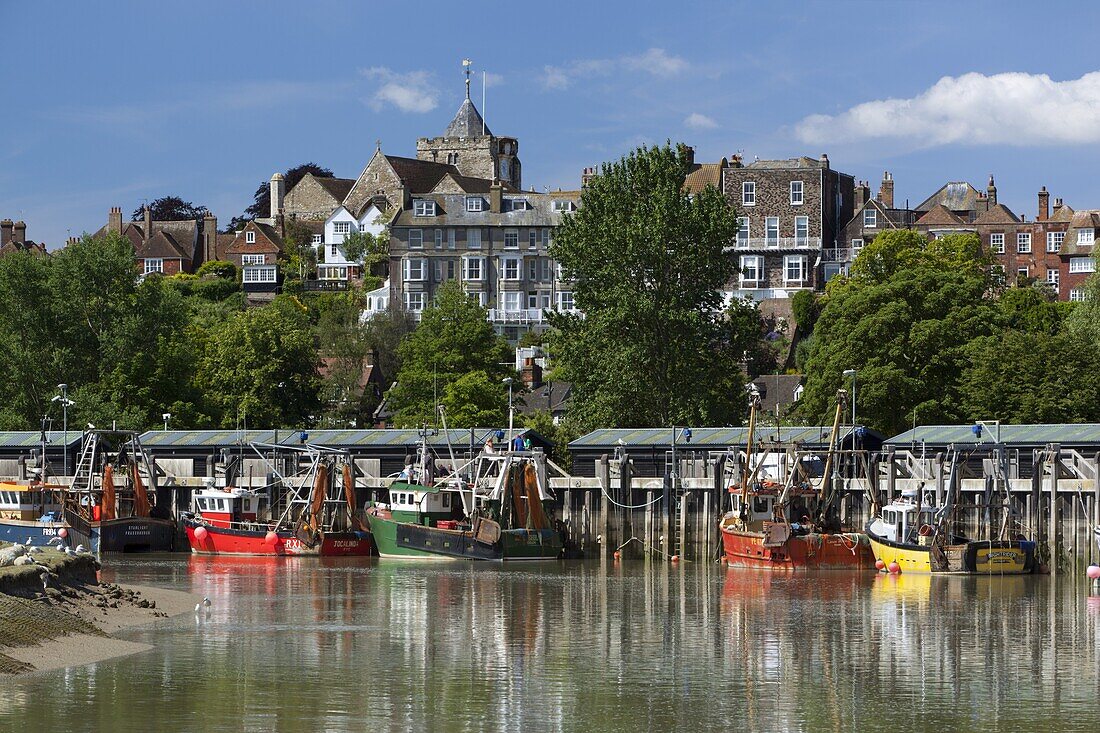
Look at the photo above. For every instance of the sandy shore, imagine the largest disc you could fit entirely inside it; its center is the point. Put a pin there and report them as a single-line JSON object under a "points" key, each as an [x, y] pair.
{"points": [[70, 623]]}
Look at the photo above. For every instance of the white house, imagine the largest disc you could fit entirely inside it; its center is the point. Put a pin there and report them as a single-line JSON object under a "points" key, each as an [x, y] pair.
{"points": [[378, 301], [333, 264]]}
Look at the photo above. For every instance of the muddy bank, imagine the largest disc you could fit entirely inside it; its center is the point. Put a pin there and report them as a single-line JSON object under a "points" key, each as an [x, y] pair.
{"points": [[57, 614]]}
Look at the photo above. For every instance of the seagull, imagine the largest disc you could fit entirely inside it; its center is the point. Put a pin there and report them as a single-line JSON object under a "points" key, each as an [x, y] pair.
{"points": [[80, 549], [45, 578], [58, 540], [206, 602], [201, 605], [36, 549]]}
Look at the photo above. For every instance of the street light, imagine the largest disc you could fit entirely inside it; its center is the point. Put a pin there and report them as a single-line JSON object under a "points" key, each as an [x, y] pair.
{"points": [[63, 398], [166, 417], [511, 413]]}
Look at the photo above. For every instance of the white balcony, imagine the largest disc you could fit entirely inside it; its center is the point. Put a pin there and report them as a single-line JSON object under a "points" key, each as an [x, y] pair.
{"points": [[778, 243]]}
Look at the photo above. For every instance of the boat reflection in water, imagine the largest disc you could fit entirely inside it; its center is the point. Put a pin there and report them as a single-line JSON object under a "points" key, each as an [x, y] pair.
{"points": [[341, 644]]}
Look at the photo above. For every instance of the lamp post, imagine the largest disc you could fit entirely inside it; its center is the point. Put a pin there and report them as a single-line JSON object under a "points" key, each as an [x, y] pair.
{"points": [[166, 417], [63, 398], [511, 413]]}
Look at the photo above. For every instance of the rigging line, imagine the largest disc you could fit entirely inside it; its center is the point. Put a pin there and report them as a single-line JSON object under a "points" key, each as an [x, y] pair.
{"points": [[628, 506]]}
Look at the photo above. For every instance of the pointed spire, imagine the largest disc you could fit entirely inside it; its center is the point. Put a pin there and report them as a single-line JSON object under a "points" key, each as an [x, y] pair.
{"points": [[466, 64]]}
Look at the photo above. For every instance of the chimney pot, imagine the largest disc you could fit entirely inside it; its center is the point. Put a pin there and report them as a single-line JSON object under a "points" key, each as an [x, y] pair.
{"points": [[886, 190]]}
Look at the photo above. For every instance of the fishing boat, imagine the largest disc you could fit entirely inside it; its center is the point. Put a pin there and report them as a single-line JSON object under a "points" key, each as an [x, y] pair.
{"points": [[919, 531], [788, 524], [498, 514], [916, 535], [30, 513], [107, 507], [310, 518]]}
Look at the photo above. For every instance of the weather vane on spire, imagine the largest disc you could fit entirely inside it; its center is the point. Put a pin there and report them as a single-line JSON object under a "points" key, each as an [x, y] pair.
{"points": [[466, 64]]}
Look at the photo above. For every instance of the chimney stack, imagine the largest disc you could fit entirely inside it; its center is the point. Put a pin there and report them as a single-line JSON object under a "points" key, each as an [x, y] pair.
{"points": [[587, 175], [1044, 204], [531, 374], [278, 191], [824, 161], [687, 151], [991, 192], [736, 161], [5, 231], [209, 237], [114, 220], [148, 223], [886, 190], [862, 193], [19, 232]]}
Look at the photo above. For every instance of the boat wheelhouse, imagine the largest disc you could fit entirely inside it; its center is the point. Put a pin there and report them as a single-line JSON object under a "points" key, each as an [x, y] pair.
{"points": [[30, 513]]}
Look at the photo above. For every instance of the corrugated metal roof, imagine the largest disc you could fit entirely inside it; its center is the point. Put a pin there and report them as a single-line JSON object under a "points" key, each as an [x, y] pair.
{"points": [[1066, 434], [331, 438], [707, 437], [33, 438]]}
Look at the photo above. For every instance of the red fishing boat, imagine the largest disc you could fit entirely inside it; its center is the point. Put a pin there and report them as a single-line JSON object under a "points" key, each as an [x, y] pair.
{"points": [[758, 531], [238, 521]]}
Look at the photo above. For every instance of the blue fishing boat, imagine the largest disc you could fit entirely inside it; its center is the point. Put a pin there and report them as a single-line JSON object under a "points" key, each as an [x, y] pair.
{"points": [[30, 513]]}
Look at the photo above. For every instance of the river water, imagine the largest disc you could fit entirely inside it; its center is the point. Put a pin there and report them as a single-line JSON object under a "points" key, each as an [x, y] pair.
{"points": [[355, 645]]}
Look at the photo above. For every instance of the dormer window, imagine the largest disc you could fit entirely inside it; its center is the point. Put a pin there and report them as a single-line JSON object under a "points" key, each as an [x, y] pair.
{"points": [[250, 237], [1086, 236], [562, 205], [475, 203], [519, 204], [423, 208]]}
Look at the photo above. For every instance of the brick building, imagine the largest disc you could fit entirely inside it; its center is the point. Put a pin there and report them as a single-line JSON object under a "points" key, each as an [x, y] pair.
{"points": [[166, 247], [13, 238], [871, 216], [790, 211]]}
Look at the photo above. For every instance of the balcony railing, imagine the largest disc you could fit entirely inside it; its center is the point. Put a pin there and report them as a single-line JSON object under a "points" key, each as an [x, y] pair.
{"points": [[778, 243], [843, 254], [523, 316], [314, 286]]}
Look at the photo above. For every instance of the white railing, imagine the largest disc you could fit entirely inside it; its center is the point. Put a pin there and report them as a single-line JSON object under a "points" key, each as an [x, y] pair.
{"points": [[524, 316], [778, 243], [842, 254]]}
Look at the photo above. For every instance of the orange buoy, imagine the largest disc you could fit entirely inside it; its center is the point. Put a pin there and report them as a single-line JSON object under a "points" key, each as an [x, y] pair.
{"points": [[894, 567], [675, 558], [201, 534], [880, 565], [617, 554]]}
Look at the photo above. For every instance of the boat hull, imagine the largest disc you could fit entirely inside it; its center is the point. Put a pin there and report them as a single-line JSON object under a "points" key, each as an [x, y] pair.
{"points": [[969, 558], [126, 534], [413, 541], [29, 533], [798, 552], [225, 541]]}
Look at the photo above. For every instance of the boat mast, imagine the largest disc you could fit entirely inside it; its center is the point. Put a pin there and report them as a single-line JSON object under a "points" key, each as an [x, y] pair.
{"points": [[748, 472]]}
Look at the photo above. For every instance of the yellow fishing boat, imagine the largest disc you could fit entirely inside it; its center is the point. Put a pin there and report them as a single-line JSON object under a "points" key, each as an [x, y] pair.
{"points": [[914, 536]]}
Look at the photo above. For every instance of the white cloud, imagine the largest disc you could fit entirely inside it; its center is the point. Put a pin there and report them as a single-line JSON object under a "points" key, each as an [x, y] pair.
{"points": [[656, 62], [493, 80], [975, 109], [409, 92], [697, 121]]}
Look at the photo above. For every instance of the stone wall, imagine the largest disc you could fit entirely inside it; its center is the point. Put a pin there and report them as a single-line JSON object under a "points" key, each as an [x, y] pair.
{"points": [[309, 200], [377, 178]]}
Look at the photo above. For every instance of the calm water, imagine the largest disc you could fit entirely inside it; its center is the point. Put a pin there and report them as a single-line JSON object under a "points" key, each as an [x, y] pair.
{"points": [[296, 645]]}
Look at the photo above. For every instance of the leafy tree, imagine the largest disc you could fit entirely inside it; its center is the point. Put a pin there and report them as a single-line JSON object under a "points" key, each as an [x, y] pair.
{"points": [[475, 399], [384, 333], [261, 366], [903, 319], [805, 308], [761, 338], [299, 255], [648, 263], [260, 208], [343, 343], [454, 339], [1031, 376], [1084, 321], [170, 208]]}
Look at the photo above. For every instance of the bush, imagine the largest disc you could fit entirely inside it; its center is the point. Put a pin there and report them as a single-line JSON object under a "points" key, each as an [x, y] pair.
{"points": [[218, 268], [215, 288], [804, 308]]}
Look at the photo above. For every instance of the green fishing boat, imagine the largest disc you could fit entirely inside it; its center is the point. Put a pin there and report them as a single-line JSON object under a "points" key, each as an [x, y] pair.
{"points": [[497, 515]]}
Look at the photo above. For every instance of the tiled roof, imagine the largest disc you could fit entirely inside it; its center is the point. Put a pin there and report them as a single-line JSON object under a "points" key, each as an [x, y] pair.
{"points": [[467, 122], [998, 214], [333, 438], [939, 215], [451, 211], [800, 162], [420, 176], [552, 396], [222, 243], [715, 438], [1024, 435], [33, 438], [164, 246], [703, 175], [955, 195], [1065, 213], [337, 187]]}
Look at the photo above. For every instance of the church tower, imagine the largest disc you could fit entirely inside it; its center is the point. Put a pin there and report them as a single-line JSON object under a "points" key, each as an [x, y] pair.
{"points": [[469, 145]]}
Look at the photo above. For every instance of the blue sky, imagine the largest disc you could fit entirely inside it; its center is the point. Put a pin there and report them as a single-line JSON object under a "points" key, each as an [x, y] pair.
{"points": [[107, 106]]}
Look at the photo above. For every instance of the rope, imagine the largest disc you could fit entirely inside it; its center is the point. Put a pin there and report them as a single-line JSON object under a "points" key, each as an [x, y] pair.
{"points": [[628, 506]]}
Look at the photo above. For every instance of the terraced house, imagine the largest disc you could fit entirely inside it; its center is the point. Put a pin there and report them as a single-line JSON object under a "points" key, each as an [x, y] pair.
{"points": [[790, 212]]}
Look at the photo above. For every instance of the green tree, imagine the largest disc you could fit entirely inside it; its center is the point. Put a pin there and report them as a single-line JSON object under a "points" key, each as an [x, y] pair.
{"points": [[903, 319], [371, 251], [647, 261], [261, 365], [475, 399], [1032, 377], [384, 332], [454, 339], [170, 208], [218, 268]]}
